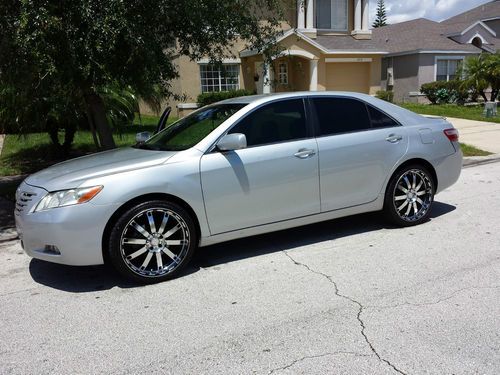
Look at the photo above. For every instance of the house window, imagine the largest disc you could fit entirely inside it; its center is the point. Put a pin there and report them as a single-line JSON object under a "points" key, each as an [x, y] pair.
{"points": [[224, 77], [446, 69], [331, 14], [283, 74]]}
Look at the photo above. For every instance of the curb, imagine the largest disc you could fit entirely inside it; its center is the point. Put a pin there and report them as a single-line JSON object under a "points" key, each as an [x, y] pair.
{"points": [[472, 161]]}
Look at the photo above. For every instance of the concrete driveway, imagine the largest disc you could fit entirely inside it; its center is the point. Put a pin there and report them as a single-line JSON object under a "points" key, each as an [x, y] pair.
{"points": [[484, 135], [349, 296]]}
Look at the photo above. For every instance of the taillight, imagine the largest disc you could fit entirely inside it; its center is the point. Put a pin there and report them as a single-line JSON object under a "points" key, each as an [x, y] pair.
{"points": [[452, 134]]}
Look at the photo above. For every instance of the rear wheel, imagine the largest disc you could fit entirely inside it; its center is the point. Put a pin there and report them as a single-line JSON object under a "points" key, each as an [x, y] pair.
{"points": [[152, 241], [409, 196]]}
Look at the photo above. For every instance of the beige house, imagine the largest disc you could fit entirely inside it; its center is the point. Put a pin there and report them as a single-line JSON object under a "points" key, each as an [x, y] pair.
{"points": [[327, 45]]}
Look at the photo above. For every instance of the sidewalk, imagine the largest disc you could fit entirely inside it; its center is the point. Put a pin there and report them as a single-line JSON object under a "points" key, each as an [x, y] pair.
{"points": [[481, 134]]}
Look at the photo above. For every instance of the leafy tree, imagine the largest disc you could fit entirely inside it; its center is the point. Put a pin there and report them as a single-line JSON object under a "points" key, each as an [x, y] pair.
{"points": [[381, 16], [482, 72], [69, 53]]}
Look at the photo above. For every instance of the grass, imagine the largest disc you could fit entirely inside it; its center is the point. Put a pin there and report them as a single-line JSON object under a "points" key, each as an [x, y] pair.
{"points": [[32, 152], [474, 112], [469, 150]]}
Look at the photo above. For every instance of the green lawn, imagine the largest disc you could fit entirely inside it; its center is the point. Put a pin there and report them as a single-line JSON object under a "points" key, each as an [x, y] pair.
{"points": [[469, 150], [30, 153], [451, 110]]}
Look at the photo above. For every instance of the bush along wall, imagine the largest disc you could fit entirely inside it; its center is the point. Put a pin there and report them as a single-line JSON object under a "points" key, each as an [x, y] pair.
{"points": [[442, 92], [214, 97]]}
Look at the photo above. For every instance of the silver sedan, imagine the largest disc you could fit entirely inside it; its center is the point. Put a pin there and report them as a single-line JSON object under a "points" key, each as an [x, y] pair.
{"points": [[237, 168]]}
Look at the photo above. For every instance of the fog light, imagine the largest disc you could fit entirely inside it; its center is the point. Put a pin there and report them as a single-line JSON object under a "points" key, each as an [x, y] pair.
{"points": [[51, 249]]}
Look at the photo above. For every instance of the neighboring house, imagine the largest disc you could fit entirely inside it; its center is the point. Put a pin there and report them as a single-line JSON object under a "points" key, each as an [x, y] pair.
{"points": [[422, 51], [327, 45]]}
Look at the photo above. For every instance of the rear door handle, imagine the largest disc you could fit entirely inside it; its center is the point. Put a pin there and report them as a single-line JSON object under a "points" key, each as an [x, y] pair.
{"points": [[394, 138], [304, 153]]}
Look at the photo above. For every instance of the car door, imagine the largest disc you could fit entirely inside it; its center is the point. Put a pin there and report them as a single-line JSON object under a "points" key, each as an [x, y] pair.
{"points": [[274, 179], [358, 146]]}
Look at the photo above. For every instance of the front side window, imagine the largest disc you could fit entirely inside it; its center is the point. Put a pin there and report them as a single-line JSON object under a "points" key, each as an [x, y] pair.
{"points": [[446, 69], [340, 115], [214, 78], [191, 130], [275, 122], [332, 14]]}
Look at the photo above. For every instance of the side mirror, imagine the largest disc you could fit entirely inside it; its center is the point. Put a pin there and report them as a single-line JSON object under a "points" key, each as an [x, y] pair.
{"points": [[231, 142], [142, 137]]}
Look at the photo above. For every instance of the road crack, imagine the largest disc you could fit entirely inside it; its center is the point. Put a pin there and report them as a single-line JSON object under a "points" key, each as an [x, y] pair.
{"points": [[444, 299], [293, 363], [353, 301]]}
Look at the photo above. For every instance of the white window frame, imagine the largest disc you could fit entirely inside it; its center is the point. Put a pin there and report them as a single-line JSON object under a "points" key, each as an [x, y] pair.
{"points": [[316, 9], [283, 75], [219, 78], [447, 58]]}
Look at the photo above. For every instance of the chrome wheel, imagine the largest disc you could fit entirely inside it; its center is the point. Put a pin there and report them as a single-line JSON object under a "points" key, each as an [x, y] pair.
{"points": [[413, 195], [154, 242]]}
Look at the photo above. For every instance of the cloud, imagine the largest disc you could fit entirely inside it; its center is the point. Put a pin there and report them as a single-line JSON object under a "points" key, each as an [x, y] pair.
{"points": [[437, 10]]}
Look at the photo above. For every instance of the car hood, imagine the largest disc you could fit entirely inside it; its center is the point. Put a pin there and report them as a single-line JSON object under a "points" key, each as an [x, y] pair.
{"points": [[72, 173]]}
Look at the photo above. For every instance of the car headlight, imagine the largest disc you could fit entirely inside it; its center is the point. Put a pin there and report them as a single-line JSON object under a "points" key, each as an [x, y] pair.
{"points": [[67, 197]]}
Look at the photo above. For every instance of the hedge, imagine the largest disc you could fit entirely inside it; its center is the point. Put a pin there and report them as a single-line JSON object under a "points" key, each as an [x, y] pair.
{"points": [[214, 97], [442, 92], [388, 96]]}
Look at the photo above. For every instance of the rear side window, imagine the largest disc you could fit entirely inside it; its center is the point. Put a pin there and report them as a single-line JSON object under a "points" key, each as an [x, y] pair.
{"points": [[380, 119], [275, 122], [340, 115]]}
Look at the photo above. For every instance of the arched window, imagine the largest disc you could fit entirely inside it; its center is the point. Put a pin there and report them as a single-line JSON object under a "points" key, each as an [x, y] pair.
{"points": [[478, 42]]}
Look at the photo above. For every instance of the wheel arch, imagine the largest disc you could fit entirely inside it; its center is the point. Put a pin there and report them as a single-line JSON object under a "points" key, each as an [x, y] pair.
{"points": [[413, 161], [141, 199]]}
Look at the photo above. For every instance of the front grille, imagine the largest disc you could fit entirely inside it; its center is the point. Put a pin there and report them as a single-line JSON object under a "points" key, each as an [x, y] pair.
{"points": [[24, 199]]}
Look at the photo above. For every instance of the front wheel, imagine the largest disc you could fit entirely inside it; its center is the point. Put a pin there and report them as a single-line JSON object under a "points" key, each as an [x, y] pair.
{"points": [[409, 196], [152, 241]]}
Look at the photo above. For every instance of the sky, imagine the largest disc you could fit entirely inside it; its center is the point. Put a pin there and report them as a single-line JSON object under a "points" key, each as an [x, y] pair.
{"points": [[436, 10]]}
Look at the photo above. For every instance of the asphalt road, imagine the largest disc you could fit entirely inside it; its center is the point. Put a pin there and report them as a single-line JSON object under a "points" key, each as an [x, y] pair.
{"points": [[350, 296]]}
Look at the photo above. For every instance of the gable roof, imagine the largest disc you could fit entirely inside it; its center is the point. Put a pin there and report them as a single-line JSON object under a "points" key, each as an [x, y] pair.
{"points": [[417, 36], [462, 21]]}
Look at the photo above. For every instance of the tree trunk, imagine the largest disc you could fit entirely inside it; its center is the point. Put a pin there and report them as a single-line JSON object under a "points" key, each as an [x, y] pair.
{"points": [[95, 107]]}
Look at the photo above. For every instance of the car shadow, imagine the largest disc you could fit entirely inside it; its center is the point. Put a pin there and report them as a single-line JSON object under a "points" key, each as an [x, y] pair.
{"points": [[99, 278]]}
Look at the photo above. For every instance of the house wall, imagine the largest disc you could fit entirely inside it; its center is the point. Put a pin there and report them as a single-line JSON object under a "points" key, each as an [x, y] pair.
{"points": [[406, 70]]}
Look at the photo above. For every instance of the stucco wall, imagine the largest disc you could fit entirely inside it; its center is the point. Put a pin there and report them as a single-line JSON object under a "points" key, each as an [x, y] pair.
{"points": [[406, 69]]}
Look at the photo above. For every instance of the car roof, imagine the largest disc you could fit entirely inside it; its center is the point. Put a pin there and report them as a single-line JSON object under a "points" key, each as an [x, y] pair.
{"points": [[404, 116]]}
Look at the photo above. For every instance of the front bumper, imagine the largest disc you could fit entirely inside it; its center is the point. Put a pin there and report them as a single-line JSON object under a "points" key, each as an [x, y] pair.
{"points": [[75, 231]]}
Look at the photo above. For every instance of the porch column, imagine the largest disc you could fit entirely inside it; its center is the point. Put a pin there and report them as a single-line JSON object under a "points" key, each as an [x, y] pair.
{"points": [[310, 14], [357, 15], [301, 16], [266, 79], [313, 70], [366, 12]]}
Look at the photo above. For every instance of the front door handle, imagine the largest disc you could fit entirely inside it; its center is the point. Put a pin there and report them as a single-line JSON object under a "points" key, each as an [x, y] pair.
{"points": [[304, 153], [394, 138]]}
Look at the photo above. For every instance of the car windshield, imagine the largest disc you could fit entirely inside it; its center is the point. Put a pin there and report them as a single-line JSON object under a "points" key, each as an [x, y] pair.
{"points": [[190, 130]]}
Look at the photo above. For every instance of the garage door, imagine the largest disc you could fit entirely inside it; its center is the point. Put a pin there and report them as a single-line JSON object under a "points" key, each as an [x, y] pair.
{"points": [[348, 77]]}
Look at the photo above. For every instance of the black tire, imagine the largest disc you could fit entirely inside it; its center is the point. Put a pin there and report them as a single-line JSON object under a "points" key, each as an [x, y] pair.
{"points": [[152, 241], [409, 196]]}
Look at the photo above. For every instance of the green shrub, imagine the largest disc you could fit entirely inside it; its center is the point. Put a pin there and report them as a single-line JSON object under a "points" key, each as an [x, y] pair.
{"points": [[442, 92], [214, 97], [388, 96]]}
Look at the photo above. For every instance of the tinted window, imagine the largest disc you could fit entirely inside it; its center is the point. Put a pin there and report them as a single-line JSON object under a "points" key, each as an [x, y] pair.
{"points": [[340, 115], [275, 122], [380, 120]]}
